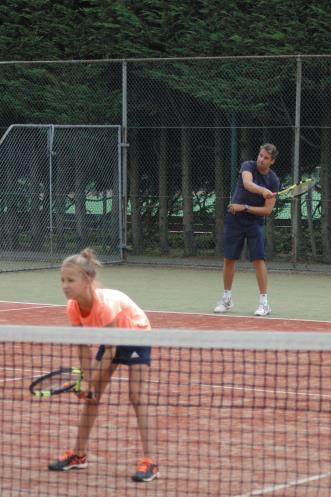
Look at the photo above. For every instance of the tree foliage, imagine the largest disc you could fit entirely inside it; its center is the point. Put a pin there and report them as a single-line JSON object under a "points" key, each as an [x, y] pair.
{"points": [[84, 29], [253, 92]]}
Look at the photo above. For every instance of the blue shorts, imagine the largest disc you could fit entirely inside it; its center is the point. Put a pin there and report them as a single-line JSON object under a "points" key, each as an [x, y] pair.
{"points": [[128, 355], [241, 227]]}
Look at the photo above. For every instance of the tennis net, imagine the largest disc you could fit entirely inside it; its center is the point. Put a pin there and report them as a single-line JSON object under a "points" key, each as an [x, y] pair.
{"points": [[234, 414]]}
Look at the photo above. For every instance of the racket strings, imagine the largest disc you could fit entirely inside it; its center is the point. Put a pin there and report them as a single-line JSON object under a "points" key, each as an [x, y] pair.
{"points": [[58, 381], [298, 189], [303, 188], [63, 380]]}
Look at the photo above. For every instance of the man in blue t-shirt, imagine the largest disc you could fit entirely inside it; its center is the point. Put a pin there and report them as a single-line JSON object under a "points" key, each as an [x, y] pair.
{"points": [[253, 199]]}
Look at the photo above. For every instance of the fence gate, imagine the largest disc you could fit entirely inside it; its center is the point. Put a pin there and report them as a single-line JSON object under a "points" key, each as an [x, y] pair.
{"points": [[60, 191]]}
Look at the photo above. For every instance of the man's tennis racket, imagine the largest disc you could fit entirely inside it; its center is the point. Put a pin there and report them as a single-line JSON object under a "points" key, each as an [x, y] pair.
{"points": [[297, 189], [55, 382]]}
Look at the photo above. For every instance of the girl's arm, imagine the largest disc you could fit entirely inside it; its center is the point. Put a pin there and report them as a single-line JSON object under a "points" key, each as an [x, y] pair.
{"points": [[101, 371], [84, 354]]}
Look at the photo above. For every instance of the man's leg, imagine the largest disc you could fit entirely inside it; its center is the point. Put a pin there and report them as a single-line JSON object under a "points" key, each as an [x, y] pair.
{"points": [[261, 275], [234, 237], [256, 245], [228, 273], [262, 280], [225, 304]]}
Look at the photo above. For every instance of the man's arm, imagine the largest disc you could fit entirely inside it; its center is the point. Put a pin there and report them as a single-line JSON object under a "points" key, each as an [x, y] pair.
{"points": [[265, 210], [252, 187]]}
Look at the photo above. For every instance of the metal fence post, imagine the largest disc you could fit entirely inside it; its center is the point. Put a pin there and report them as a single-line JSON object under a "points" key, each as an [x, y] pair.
{"points": [[124, 146], [296, 158], [50, 139], [234, 152]]}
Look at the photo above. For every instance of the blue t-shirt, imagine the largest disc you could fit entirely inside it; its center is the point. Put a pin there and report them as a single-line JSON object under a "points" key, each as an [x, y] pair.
{"points": [[243, 196]]}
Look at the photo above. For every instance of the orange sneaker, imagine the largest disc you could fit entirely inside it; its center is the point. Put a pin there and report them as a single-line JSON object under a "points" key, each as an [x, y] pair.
{"points": [[68, 460], [147, 470]]}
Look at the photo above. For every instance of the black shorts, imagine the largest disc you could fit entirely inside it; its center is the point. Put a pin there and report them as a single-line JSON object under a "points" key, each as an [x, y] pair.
{"points": [[238, 228], [128, 355]]}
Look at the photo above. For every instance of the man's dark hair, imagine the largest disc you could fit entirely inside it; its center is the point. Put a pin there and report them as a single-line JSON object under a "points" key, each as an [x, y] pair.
{"points": [[271, 149]]}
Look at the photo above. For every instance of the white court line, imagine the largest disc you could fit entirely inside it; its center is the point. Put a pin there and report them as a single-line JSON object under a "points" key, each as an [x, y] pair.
{"points": [[22, 378], [31, 303], [257, 318], [265, 490], [33, 306], [246, 388], [294, 483], [16, 309], [207, 385], [257, 390], [12, 379]]}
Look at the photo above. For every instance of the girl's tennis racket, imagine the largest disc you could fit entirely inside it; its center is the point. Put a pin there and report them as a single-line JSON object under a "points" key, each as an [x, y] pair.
{"points": [[297, 189], [59, 381]]}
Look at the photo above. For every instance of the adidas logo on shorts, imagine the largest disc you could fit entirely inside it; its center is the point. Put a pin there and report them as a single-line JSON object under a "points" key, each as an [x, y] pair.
{"points": [[134, 355]]}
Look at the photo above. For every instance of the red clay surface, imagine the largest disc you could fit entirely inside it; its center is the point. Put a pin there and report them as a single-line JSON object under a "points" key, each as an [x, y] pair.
{"points": [[42, 314], [229, 423]]}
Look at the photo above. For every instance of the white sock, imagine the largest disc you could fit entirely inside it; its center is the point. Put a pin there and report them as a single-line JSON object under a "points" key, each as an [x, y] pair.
{"points": [[264, 298], [227, 294]]}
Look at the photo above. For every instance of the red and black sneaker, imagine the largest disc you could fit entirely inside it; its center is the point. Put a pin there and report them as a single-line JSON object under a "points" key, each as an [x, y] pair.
{"points": [[68, 460], [147, 470]]}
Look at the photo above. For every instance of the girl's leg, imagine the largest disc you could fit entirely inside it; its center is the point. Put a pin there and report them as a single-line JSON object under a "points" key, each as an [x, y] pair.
{"points": [[138, 391], [90, 412]]}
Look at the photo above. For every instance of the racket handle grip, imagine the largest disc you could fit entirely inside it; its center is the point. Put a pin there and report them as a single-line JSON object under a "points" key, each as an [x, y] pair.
{"points": [[85, 395], [274, 194]]}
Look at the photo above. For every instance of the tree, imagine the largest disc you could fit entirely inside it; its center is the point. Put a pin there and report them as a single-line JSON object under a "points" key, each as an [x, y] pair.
{"points": [[255, 93]]}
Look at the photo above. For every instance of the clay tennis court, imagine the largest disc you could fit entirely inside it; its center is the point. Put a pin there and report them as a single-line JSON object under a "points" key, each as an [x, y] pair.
{"points": [[227, 422], [22, 313]]}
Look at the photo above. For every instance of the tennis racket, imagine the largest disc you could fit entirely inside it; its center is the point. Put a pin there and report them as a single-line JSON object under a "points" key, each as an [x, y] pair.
{"points": [[56, 382], [297, 189]]}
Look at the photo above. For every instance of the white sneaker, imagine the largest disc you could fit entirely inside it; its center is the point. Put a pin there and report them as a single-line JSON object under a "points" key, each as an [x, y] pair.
{"points": [[263, 310], [224, 305]]}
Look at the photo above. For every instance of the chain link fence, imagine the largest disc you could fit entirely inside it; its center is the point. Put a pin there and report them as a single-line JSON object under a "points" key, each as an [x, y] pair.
{"points": [[186, 126], [60, 191]]}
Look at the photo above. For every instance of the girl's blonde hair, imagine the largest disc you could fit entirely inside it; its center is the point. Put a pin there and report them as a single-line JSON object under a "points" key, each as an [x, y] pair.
{"points": [[86, 261]]}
